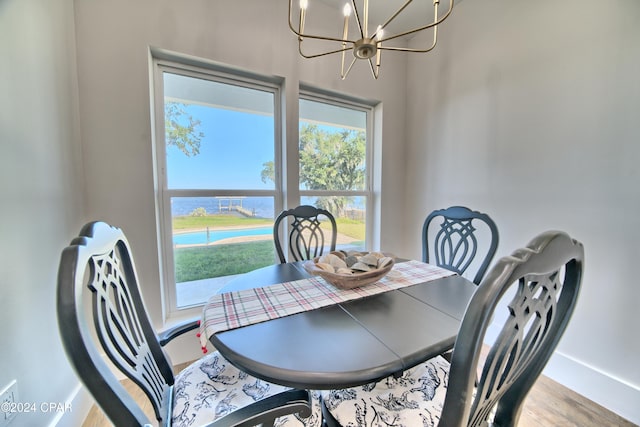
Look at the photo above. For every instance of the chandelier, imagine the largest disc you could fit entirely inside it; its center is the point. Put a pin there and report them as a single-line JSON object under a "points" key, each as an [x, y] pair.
{"points": [[366, 45]]}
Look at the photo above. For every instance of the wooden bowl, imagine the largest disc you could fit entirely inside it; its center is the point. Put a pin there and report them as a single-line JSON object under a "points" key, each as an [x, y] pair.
{"points": [[348, 281]]}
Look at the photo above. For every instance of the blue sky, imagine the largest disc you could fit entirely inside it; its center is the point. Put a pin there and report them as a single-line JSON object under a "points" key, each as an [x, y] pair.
{"points": [[234, 148]]}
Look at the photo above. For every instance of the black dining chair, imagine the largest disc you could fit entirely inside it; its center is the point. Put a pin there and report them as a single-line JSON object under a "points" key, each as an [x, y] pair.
{"points": [[531, 296], [454, 241], [305, 236], [98, 300]]}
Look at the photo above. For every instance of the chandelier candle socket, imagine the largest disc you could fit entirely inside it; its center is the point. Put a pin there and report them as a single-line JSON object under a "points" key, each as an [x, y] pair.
{"points": [[365, 46]]}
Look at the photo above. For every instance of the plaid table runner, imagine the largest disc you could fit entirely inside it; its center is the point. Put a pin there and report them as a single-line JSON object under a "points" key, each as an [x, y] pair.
{"points": [[232, 310]]}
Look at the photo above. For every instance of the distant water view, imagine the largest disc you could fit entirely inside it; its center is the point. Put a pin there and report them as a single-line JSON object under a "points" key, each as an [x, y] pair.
{"points": [[261, 207]]}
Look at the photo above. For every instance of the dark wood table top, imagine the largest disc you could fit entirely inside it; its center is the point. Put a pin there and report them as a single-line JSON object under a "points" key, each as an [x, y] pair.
{"points": [[347, 344]]}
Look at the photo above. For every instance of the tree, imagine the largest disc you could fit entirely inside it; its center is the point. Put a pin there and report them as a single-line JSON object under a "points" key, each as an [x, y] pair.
{"points": [[198, 212], [185, 137], [268, 172], [329, 161]]}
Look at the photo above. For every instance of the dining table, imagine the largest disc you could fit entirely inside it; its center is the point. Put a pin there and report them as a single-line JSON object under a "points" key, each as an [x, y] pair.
{"points": [[345, 343]]}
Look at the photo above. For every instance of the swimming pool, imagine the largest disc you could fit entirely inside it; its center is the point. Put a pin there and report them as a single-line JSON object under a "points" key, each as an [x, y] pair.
{"points": [[205, 237]]}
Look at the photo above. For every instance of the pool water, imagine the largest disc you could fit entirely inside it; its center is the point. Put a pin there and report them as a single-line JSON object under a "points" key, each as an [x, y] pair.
{"points": [[204, 237]]}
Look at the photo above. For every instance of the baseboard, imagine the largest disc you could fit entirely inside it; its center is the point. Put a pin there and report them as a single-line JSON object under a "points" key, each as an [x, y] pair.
{"points": [[81, 403], [612, 393]]}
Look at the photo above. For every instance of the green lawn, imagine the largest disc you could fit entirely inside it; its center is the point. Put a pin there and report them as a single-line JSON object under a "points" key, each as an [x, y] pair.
{"points": [[188, 222], [351, 228], [203, 262]]}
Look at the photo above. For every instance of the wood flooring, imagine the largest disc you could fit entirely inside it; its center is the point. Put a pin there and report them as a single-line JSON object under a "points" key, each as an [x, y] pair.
{"points": [[549, 404]]}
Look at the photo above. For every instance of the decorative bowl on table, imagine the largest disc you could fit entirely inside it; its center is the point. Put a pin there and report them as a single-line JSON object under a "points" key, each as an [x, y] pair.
{"points": [[347, 270]]}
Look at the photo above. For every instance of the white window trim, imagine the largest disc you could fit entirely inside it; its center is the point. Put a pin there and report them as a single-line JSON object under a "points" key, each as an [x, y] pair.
{"points": [[368, 192], [173, 63]]}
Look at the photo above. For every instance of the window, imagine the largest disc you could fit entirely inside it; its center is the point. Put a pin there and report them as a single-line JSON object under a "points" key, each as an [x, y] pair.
{"points": [[217, 205], [219, 150], [334, 159]]}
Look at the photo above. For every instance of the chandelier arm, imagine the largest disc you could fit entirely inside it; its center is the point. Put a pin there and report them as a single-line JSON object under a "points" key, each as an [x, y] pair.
{"points": [[406, 49], [355, 11], [415, 30], [319, 54], [375, 70], [331, 39], [383, 26], [344, 75], [290, 24]]}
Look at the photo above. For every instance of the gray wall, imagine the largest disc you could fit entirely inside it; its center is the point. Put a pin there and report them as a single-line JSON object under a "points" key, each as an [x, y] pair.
{"points": [[41, 187], [529, 111]]}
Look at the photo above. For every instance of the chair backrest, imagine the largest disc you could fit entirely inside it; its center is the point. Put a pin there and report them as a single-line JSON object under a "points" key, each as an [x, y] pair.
{"points": [[306, 239], [98, 265], [455, 243], [531, 296]]}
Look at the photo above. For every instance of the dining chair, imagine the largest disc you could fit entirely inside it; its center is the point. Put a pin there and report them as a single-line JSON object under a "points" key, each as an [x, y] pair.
{"points": [[98, 285], [455, 242], [305, 237], [528, 299]]}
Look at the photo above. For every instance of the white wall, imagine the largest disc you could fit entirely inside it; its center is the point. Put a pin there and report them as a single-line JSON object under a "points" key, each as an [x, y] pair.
{"points": [[528, 111], [41, 189]]}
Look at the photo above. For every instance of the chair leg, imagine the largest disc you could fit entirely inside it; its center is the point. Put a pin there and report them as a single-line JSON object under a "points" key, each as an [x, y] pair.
{"points": [[327, 418]]}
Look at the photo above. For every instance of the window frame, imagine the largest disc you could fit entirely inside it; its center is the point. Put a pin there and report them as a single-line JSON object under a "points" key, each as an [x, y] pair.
{"points": [[368, 191], [218, 74], [286, 191]]}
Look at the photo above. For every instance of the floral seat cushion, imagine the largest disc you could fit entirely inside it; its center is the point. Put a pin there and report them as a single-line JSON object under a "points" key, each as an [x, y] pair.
{"points": [[415, 399], [212, 388]]}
